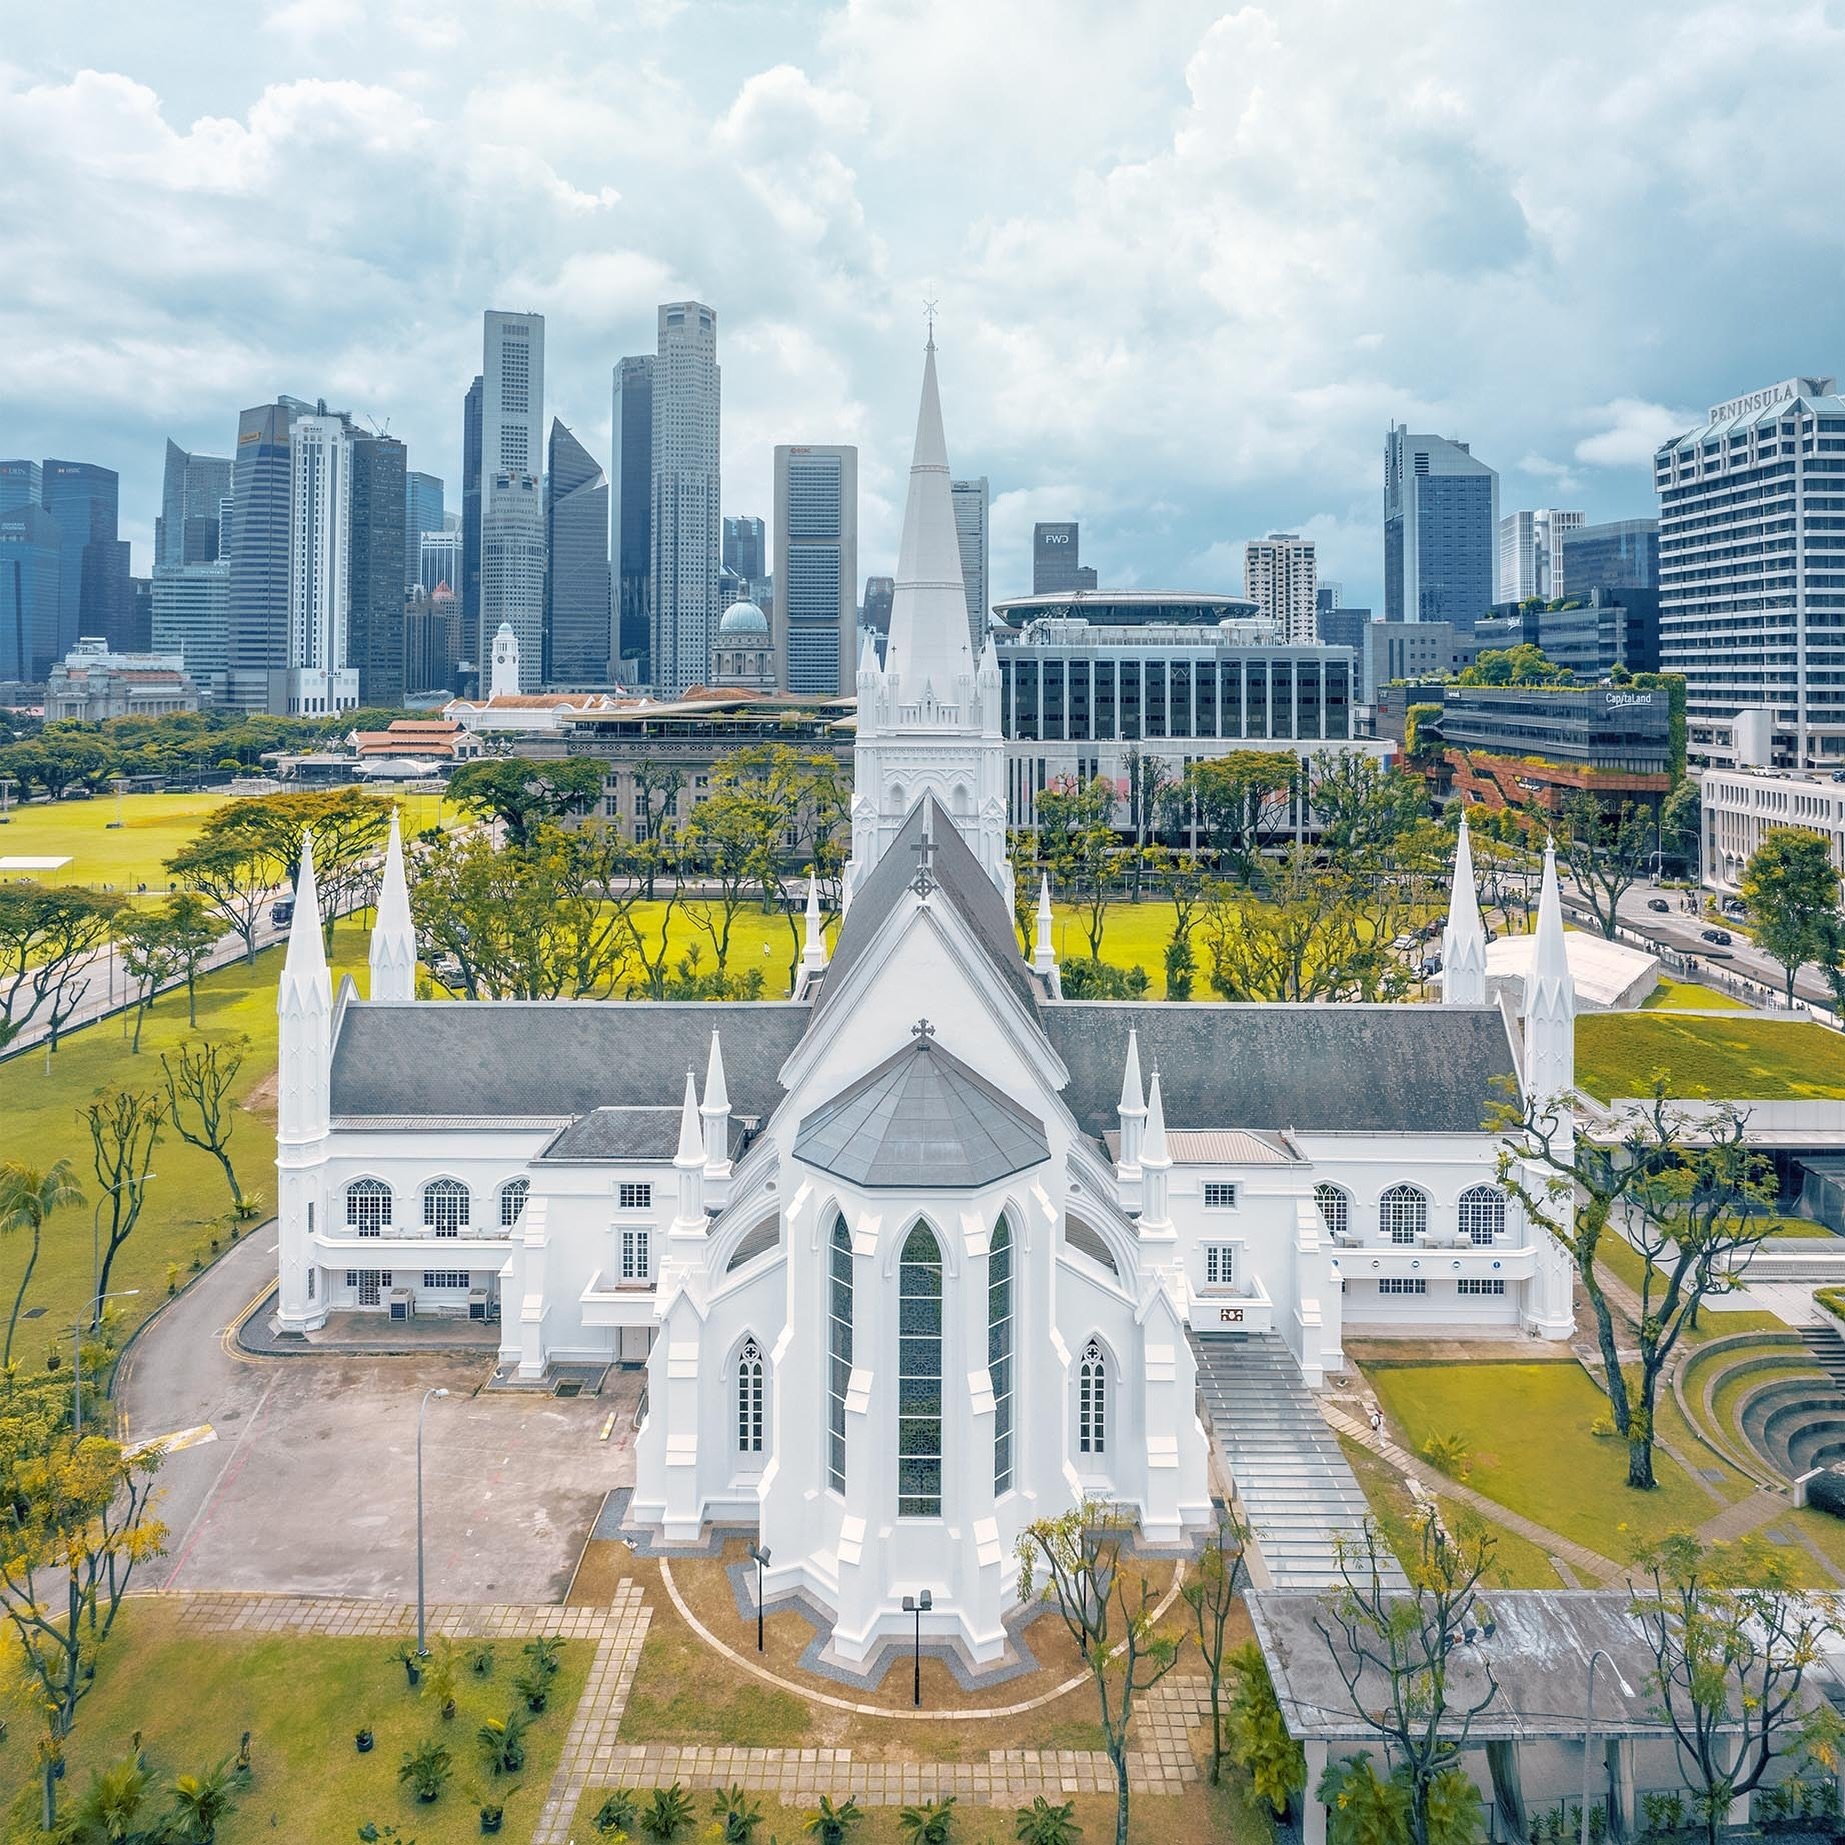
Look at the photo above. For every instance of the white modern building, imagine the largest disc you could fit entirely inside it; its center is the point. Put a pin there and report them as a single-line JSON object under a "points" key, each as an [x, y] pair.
{"points": [[512, 533], [920, 1253], [1279, 578], [1752, 570], [685, 520], [1740, 805], [1531, 553], [319, 677]]}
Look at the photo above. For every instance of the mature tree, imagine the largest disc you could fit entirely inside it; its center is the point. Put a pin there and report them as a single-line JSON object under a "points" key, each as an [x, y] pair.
{"points": [[1022, 853], [1151, 796], [1182, 875], [1790, 893], [1076, 841], [193, 935], [48, 936], [80, 1523], [1604, 854], [348, 826], [1681, 821], [1693, 1201], [1507, 874], [1241, 802], [1211, 1594], [1364, 807], [1524, 664], [1732, 1639], [806, 785], [27, 1198], [524, 795], [235, 875], [730, 845], [150, 958], [1398, 1654], [649, 932], [1074, 1563], [124, 1129], [656, 789], [200, 1077]]}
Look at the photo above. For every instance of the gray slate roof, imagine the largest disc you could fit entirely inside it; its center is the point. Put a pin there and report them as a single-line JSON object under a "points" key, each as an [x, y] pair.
{"points": [[1327, 1069], [554, 1058], [627, 1134], [960, 883], [921, 1118]]}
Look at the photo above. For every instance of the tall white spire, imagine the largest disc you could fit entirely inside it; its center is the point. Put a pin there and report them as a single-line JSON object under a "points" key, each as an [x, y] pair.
{"points": [[305, 983], [1550, 997], [393, 948], [1155, 1163], [1463, 942], [928, 644], [304, 1017], [813, 948], [716, 1113], [1132, 1107]]}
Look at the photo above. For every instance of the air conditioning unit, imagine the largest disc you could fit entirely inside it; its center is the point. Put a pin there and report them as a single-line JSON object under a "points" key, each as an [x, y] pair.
{"points": [[403, 1303], [477, 1303]]}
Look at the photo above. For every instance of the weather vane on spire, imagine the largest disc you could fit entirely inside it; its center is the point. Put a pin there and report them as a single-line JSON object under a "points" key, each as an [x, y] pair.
{"points": [[929, 315]]}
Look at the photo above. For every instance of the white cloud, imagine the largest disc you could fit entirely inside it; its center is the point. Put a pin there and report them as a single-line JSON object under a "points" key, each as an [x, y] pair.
{"points": [[1631, 432]]}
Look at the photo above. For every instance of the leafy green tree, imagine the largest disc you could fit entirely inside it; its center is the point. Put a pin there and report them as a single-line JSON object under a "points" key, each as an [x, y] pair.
{"points": [[150, 955], [201, 1076], [1211, 1594], [201, 1803], [1604, 853], [1152, 791], [932, 1823], [1790, 893], [1364, 807], [49, 935], [124, 1129], [524, 796], [1525, 664], [28, 1197], [1241, 802], [1076, 841], [1681, 821], [1259, 1742], [732, 843], [1073, 1562], [235, 875]]}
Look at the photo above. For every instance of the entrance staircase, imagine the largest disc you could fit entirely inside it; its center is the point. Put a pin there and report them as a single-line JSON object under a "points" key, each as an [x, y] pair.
{"points": [[1296, 1489]]}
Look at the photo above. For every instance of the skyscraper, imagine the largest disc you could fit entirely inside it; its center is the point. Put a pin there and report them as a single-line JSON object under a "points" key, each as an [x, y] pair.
{"points": [[30, 540], [93, 592], [441, 563], [578, 638], [971, 506], [319, 676], [1617, 554], [1441, 517], [192, 490], [422, 513], [467, 586], [816, 568], [880, 592], [21, 484], [746, 546], [685, 523], [631, 511], [256, 639], [1530, 553], [191, 619], [512, 456], [1278, 576], [1054, 564], [381, 501]]}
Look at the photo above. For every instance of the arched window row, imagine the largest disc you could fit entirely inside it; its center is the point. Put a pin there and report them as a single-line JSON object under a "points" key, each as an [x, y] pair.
{"points": [[448, 1206], [1403, 1213]]}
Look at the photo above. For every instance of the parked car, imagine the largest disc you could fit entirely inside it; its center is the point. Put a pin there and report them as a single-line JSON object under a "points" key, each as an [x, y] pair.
{"points": [[1659, 904], [1722, 937]]}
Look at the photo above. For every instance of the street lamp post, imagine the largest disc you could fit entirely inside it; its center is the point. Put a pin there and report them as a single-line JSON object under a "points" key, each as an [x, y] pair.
{"points": [[918, 1605], [760, 1554], [422, 1638], [1588, 1720], [76, 1345], [96, 1297]]}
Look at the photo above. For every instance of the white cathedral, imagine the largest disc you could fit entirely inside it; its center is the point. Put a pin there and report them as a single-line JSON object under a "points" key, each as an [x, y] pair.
{"points": [[916, 1255]]}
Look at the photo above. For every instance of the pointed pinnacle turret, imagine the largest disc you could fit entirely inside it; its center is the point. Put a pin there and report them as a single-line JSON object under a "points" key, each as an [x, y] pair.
{"points": [[1133, 1098], [691, 1129], [393, 944], [1044, 958], [305, 982], [813, 948], [717, 1097], [1463, 942], [1153, 1148], [716, 1112], [1550, 996]]}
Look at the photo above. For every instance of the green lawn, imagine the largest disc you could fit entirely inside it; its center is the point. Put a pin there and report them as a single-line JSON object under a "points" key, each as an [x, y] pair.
{"points": [[302, 1698], [1688, 996], [186, 1197], [1526, 1427], [1745, 1058]]}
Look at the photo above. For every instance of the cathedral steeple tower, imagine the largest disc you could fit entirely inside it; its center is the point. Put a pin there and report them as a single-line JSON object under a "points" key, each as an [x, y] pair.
{"points": [[1463, 942]]}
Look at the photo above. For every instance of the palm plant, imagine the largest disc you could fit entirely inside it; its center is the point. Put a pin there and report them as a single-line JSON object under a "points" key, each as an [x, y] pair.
{"points": [[616, 1813], [502, 1742], [1044, 1824], [427, 1769], [738, 1815], [200, 1802], [668, 1813], [534, 1687], [480, 1659], [110, 1805], [833, 1825], [27, 1198], [441, 1678], [545, 1654], [929, 1824]]}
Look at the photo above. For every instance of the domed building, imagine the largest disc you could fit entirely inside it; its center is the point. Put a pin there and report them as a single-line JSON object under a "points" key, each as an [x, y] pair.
{"points": [[744, 655]]}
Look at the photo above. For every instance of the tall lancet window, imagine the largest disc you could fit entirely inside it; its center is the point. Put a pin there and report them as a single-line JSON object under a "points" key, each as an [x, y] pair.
{"points": [[839, 1354], [749, 1398], [919, 1377], [1092, 1402], [999, 1352]]}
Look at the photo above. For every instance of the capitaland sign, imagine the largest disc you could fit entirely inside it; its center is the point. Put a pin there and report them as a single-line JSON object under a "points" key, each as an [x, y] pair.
{"points": [[1752, 401], [1629, 701]]}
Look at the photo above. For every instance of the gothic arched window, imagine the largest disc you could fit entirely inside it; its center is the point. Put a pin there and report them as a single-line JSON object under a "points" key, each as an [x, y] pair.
{"points": [[839, 1353], [368, 1206], [919, 1377], [999, 1352], [749, 1398], [1092, 1401], [513, 1195], [445, 1207], [1403, 1213], [1335, 1209], [1481, 1213]]}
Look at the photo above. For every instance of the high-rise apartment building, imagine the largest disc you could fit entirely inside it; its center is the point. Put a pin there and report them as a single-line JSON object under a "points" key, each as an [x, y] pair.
{"points": [[193, 489], [746, 546], [1752, 569], [685, 522], [579, 642], [467, 585], [257, 614], [512, 463], [192, 619], [631, 512], [1055, 567], [30, 541], [1617, 554], [319, 676], [93, 593], [1531, 553], [813, 624], [1441, 518], [971, 507], [21, 484], [381, 501], [1278, 577], [423, 512]]}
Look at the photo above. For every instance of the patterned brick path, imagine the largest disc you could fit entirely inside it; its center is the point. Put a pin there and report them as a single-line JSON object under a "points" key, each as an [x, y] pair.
{"points": [[345, 1618]]}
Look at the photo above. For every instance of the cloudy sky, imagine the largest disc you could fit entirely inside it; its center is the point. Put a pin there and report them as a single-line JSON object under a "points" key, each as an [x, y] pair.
{"points": [[1190, 261]]}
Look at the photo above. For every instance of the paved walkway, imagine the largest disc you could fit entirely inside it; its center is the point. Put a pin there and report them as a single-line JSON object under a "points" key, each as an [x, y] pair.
{"points": [[1746, 1515], [350, 1617]]}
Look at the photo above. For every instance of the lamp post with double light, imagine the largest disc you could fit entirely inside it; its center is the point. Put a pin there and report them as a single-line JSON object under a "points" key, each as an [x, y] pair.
{"points": [[918, 1605], [422, 1634], [759, 1555]]}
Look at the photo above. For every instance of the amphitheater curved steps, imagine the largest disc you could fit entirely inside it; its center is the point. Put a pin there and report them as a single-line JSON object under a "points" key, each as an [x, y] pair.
{"points": [[1712, 1369], [1791, 1423]]}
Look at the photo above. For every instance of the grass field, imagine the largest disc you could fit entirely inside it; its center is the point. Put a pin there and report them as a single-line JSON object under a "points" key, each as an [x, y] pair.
{"points": [[1745, 1058], [154, 827], [1688, 996], [40, 1123], [1526, 1428], [302, 1699]]}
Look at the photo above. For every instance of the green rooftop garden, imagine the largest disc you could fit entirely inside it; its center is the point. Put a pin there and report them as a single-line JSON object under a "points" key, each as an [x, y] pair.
{"points": [[1746, 1058]]}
